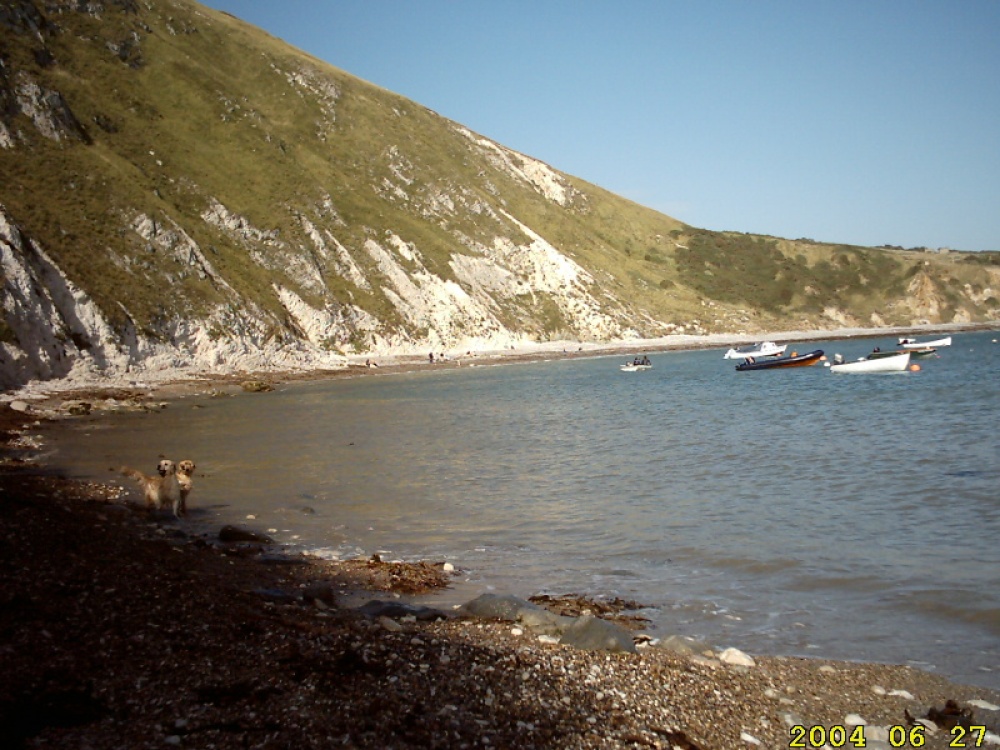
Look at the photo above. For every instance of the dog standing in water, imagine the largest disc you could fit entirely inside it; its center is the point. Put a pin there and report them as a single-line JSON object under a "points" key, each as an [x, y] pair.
{"points": [[185, 480], [158, 491]]}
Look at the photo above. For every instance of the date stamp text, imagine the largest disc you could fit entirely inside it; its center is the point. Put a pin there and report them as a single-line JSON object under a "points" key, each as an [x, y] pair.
{"points": [[899, 736]]}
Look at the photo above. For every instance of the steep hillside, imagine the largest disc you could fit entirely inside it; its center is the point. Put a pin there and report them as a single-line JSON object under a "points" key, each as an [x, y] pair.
{"points": [[181, 190]]}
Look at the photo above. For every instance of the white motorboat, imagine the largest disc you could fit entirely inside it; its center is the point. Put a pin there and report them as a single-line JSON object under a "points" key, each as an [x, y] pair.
{"points": [[761, 349], [637, 364], [914, 344], [895, 363]]}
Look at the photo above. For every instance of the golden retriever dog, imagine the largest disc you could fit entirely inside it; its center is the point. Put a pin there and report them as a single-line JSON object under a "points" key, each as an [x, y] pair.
{"points": [[185, 479], [158, 491]]}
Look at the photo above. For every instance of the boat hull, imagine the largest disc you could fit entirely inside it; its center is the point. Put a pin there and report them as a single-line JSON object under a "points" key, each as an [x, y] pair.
{"points": [[781, 363], [896, 363], [911, 344], [914, 353], [763, 349]]}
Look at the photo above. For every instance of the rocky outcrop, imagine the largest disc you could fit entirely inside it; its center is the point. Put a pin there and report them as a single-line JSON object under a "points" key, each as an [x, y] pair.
{"points": [[52, 325], [53, 330]]}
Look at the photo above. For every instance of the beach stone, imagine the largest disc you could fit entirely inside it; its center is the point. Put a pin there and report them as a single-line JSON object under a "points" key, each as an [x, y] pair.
{"points": [[278, 596], [498, 607], [978, 703], [792, 719], [877, 734], [514, 609], [77, 408], [677, 644], [256, 386], [236, 534], [593, 634], [320, 591], [736, 658], [21, 406], [706, 661], [377, 609], [390, 625]]}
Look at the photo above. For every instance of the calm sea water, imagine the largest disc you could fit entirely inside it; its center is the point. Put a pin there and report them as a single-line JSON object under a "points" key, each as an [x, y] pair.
{"points": [[790, 512]]}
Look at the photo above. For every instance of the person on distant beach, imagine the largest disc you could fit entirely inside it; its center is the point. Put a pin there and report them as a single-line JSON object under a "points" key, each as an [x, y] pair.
{"points": [[430, 358]]}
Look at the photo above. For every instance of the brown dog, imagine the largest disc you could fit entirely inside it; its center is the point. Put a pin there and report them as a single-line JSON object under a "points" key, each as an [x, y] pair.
{"points": [[161, 490], [185, 479]]}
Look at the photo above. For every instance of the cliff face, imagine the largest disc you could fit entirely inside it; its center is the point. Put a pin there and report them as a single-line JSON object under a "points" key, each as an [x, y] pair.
{"points": [[182, 191]]}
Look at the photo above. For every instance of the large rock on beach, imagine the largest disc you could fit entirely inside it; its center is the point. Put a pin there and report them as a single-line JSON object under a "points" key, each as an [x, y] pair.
{"points": [[682, 645], [736, 658], [77, 408], [594, 634], [514, 609], [377, 609], [256, 386], [236, 534]]}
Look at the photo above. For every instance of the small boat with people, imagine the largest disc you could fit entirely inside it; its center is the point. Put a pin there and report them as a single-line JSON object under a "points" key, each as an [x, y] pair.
{"points": [[637, 365], [760, 349], [777, 363], [908, 343], [897, 362]]}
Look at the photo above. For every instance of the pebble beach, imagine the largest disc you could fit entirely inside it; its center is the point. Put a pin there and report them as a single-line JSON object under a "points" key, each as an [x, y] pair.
{"points": [[120, 630]]}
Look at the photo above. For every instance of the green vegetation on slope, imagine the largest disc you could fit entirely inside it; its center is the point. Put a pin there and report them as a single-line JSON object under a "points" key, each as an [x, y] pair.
{"points": [[179, 107]]}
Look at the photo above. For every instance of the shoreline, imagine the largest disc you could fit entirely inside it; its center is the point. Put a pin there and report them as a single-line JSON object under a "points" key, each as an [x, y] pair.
{"points": [[103, 596], [47, 395], [121, 632]]}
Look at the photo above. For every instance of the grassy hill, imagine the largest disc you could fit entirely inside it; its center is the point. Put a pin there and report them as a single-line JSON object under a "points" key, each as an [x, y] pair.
{"points": [[175, 180]]}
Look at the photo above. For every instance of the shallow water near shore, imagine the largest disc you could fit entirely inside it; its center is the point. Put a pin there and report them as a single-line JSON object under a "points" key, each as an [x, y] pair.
{"points": [[785, 512]]}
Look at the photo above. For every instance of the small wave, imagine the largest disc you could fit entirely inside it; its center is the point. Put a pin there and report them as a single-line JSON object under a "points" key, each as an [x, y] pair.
{"points": [[960, 605], [752, 565], [817, 581]]}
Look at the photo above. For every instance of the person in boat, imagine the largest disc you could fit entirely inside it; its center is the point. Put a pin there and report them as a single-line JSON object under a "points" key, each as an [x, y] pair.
{"points": [[750, 360]]}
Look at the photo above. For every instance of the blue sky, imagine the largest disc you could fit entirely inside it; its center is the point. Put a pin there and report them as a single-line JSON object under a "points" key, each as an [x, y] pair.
{"points": [[858, 121]]}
